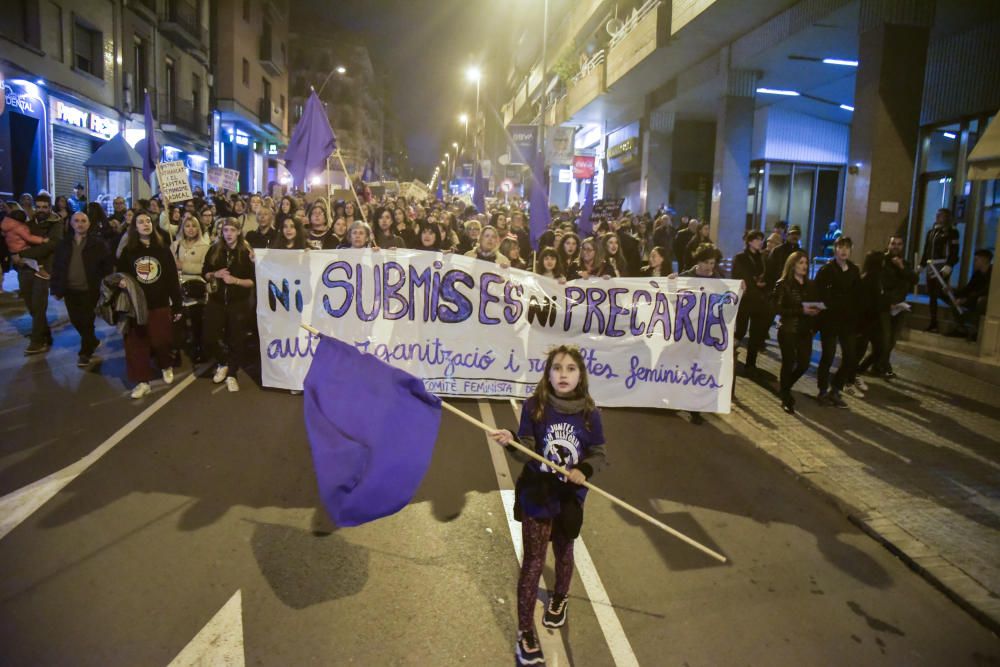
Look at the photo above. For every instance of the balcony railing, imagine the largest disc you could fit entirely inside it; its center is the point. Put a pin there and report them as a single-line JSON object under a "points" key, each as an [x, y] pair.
{"points": [[270, 59], [182, 21], [587, 85], [181, 113], [644, 31]]}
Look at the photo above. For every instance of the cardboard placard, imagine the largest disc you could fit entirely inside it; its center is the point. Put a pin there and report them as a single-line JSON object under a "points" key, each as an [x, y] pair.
{"points": [[227, 180], [173, 180]]}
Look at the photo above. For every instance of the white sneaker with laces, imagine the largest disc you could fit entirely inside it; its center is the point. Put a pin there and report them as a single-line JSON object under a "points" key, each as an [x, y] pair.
{"points": [[232, 384], [220, 374], [853, 390], [141, 390], [861, 384], [168, 375]]}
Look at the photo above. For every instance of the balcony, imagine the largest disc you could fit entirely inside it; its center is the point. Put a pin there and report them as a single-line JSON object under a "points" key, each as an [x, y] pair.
{"points": [[176, 113], [181, 21], [645, 30], [586, 86], [271, 61]]}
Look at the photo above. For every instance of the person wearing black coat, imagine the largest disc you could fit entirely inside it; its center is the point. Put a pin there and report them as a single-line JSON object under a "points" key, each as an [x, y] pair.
{"points": [[79, 264], [898, 278], [663, 237], [754, 314], [873, 306], [838, 285], [941, 249], [682, 239], [776, 260], [795, 330]]}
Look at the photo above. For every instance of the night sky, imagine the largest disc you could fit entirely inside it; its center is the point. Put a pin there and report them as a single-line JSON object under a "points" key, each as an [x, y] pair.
{"points": [[425, 47]]}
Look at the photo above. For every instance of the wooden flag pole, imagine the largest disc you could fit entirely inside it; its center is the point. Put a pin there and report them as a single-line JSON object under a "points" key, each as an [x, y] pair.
{"points": [[596, 489], [350, 184]]}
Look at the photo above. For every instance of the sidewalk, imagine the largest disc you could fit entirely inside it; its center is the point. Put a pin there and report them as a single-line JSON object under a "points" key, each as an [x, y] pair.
{"points": [[916, 464]]}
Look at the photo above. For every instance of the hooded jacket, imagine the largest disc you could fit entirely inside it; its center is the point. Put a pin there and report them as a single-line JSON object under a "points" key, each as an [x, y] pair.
{"points": [[122, 307]]}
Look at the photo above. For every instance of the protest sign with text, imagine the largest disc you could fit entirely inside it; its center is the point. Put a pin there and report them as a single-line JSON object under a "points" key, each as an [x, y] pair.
{"points": [[224, 179], [470, 328], [173, 180]]}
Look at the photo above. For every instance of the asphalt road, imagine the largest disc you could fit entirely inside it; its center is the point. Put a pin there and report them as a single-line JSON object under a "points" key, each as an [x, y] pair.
{"points": [[213, 495]]}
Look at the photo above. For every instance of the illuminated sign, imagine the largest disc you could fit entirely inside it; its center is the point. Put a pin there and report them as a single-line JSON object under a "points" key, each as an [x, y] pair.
{"points": [[272, 149], [20, 101], [83, 119]]}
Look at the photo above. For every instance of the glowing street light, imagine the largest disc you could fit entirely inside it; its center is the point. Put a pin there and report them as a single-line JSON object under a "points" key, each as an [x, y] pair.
{"points": [[341, 69], [473, 74]]}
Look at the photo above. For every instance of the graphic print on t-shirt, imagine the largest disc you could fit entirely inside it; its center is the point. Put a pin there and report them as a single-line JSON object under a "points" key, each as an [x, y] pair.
{"points": [[147, 269], [561, 447]]}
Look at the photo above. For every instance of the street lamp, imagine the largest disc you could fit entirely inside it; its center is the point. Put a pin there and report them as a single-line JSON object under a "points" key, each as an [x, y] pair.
{"points": [[474, 74], [339, 69]]}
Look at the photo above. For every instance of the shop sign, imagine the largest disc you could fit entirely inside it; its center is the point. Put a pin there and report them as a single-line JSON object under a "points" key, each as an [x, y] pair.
{"points": [[70, 114], [523, 140], [19, 98], [583, 166], [272, 149]]}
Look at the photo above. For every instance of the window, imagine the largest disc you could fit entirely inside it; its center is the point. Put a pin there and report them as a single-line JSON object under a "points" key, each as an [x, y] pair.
{"points": [[87, 49], [266, 87], [246, 10], [20, 21], [246, 72], [139, 69], [282, 105], [168, 91], [196, 95]]}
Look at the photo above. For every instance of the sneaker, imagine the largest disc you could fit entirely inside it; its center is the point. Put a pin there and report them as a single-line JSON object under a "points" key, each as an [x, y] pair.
{"points": [[220, 374], [232, 384], [528, 651], [36, 348], [141, 390], [823, 398], [82, 360], [889, 373], [168, 375], [788, 403], [555, 611], [861, 384], [836, 400], [853, 390]]}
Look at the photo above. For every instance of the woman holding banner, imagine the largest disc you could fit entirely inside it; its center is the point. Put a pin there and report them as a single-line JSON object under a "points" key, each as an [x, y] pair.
{"points": [[319, 236], [488, 248], [794, 301], [229, 271], [291, 236]]}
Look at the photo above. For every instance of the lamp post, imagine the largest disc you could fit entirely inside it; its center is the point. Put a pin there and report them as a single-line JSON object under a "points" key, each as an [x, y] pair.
{"points": [[464, 119], [474, 74]]}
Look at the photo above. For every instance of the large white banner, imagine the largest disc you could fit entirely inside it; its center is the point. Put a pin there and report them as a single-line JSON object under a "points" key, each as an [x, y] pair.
{"points": [[470, 328]]}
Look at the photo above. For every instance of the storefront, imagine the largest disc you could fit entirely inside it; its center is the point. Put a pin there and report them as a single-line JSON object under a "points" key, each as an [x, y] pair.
{"points": [[942, 183], [24, 139], [77, 133], [624, 166]]}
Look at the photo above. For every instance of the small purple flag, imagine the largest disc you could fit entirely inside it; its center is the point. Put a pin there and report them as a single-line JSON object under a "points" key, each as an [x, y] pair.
{"points": [[151, 150], [312, 142], [479, 190], [586, 225], [372, 429], [538, 202]]}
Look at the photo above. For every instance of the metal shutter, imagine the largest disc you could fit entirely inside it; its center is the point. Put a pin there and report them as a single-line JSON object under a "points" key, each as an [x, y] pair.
{"points": [[70, 150]]}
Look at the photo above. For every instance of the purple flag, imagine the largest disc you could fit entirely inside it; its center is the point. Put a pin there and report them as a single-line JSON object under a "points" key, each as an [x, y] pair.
{"points": [[312, 142], [151, 151], [372, 429], [538, 202], [585, 224], [479, 190]]}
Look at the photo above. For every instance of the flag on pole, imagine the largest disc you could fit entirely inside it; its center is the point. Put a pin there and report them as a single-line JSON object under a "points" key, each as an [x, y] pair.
{"points": [[479, 189], [151, 150], [585, 224], [439, 192], [372, 429], [538, 202], [312, 142]]}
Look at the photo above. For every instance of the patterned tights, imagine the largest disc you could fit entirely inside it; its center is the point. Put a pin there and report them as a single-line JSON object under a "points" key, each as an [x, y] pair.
{"points": [[535, 534]]}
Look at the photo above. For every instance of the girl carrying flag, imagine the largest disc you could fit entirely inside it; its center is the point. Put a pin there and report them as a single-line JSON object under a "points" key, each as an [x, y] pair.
{"points": [[562, 424]]}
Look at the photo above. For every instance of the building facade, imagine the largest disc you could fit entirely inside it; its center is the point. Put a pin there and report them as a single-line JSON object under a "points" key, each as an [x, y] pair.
{"points": [[858, 114], [250, 124], [75, 74]]}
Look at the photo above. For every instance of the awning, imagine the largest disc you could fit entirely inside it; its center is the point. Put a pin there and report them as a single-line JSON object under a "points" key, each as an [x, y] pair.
{"points": [[984, 160]]}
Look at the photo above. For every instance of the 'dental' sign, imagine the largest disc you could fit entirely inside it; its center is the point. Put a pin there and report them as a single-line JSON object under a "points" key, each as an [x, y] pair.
{"points": [[470, 328]]}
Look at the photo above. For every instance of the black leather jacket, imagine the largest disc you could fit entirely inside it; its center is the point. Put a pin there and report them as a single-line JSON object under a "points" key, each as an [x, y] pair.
{"points": [[787, 299]]}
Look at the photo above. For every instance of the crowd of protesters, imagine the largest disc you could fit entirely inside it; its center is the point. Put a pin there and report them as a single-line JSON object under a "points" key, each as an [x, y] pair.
{"points": [[180, 277]]}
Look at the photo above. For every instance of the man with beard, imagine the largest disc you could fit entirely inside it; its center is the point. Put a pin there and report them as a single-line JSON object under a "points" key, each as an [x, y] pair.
{"points": [[35, 289]]}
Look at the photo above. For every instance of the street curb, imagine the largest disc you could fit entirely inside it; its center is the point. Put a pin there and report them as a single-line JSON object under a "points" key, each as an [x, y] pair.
{"points": [[853, 514]]}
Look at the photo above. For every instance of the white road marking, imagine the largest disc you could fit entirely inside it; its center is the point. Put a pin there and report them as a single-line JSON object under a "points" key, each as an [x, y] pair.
{"points": [[220, 642], [553, 643], [18, 505]]}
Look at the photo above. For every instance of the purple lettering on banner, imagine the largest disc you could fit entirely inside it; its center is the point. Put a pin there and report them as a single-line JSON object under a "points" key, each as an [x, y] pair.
{"points": [[686, 302], [637, 329], [485, 298], [513, 308], [390, 291], [574, 297], [717, 317], [342, 284], [359, 295], [614, 312], [702, 302], [461, 307], [418, 280], [595, 297], [661, 316]]}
